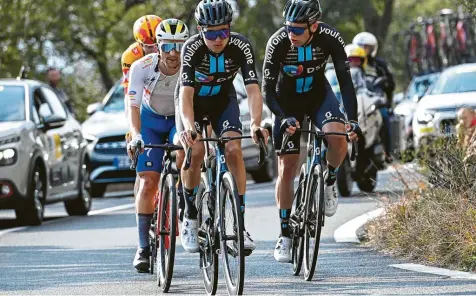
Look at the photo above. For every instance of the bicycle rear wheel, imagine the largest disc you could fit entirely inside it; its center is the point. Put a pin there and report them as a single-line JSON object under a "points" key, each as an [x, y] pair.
{"points": [[314, 221], [206, 236], [231, 236], [296, 223], [167, 225]]}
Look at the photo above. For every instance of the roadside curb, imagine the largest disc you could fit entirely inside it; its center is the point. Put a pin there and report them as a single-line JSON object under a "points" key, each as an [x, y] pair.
{"points": [[347, 232]]}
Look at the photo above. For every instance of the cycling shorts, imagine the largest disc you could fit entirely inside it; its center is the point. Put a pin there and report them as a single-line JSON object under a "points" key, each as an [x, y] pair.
{"points": [[322, 107], [155, 129], [223, 113]]}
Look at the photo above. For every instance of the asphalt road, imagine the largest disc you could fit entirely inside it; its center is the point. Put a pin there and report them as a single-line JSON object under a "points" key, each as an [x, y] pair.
{"points": [[93, 255]]}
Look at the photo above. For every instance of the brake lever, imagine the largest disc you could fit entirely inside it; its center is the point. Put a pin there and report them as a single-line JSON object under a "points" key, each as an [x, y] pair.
{"points": [[263, 149], [135, 158], [188, 154]]}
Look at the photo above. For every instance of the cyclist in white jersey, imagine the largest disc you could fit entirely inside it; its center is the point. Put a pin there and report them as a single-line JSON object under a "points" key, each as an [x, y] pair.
{"points": [[150, 97]]}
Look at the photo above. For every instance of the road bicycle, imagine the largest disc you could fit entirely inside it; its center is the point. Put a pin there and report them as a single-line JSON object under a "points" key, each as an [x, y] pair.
{"points": [[307, 218], [220, 216]]}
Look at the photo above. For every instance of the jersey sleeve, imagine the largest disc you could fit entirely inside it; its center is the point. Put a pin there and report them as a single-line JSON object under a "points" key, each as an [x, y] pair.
{"points": [[189, 58], [274, 54], [136, 84], [342, 69], [248, 67]]}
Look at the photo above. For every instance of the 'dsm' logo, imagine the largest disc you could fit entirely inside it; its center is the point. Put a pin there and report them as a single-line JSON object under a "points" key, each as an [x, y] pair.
{"points": [[200, 77], [292, 70]]}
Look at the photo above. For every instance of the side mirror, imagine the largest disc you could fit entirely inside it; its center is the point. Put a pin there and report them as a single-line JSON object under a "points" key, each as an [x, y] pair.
{"points": [[92, 108], [53, 121]]}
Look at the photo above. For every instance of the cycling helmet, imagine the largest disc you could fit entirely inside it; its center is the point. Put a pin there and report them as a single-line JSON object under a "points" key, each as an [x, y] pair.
{"points": [[144, 29], [355, 51], [213, 13], [302, 11], [366, 38], [172, 29]]}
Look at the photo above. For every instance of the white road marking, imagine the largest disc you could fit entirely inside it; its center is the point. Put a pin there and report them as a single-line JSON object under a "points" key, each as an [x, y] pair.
{"points": [[346, 233], [435, 270]]}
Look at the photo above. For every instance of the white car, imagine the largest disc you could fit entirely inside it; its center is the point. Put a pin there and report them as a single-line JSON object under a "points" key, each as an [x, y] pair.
{"points": [[435, 115]]}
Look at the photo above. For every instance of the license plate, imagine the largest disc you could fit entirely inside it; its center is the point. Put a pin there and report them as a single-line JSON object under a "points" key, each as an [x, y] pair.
{"points": [[122, 162]]}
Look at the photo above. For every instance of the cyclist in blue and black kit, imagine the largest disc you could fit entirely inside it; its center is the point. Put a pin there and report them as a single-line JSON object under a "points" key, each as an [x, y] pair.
{"points": [[210, 62], [294, 85]]}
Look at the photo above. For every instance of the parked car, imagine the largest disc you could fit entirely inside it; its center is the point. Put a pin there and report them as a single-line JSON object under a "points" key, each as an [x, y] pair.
{"points": [[405, 107], [107, 125], [43, 155], [435, 115], [105, 132]]}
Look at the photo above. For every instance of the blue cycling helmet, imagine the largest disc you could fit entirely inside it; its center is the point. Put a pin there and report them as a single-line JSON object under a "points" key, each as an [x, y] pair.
{"points": [[213, 13], [302, 11]]}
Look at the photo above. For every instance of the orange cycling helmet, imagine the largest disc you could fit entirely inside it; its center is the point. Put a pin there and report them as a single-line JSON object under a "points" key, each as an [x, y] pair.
{"points": [[144, 29]]}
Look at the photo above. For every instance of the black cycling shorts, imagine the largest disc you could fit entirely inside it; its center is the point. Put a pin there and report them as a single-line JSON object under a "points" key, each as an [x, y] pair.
{"points": [[223, 113], [322, 107]]}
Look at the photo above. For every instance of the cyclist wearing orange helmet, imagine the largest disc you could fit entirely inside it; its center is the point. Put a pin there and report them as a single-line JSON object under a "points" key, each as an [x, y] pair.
{"points": [[144, 34]]}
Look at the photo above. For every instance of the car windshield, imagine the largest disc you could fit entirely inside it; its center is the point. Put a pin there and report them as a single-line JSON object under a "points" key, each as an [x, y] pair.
{"points": [[12, 98], [420, 86], [116, 101], [455, 82]]}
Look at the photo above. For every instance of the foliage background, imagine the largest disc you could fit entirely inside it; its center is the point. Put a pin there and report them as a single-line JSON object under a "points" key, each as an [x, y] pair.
{"points": [[85, 38]]}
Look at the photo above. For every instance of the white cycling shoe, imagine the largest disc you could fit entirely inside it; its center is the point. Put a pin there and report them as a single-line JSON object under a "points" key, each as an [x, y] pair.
{"points": [[282, 251], [330, 194], [189, 235]]}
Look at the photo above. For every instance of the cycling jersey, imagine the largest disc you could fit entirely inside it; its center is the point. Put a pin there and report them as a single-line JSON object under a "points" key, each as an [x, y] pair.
{"points": [[298, 72], [132, 54], [212, 77], [149, 88], [212, 74]]}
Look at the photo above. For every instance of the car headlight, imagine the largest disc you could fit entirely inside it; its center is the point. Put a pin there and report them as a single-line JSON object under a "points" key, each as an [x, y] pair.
{"points": [[8, 156], [424, 117]]}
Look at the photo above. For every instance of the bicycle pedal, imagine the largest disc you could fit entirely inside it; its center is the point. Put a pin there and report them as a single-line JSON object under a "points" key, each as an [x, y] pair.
{"points": [[248, 253]]}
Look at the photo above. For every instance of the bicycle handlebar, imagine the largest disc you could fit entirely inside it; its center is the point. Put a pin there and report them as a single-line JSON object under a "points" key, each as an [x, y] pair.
{"points": [[320, 134]]}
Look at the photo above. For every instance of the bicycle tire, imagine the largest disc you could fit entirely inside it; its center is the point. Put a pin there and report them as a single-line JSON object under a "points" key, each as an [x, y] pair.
{"points": [[229, 193], [314, 202], [208, 254], [297, 237], [168, 227]]}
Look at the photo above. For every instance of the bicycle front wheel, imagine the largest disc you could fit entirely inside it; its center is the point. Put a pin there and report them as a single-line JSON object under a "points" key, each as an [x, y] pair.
{"points": [[167, 225], [314, 220], [231, 235], [206, 235], [296, 223]]}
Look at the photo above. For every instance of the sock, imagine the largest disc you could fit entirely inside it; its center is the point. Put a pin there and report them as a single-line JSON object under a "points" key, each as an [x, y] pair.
{"points": [[331, 175], [284, 215], [190, 209], [143, 225]]}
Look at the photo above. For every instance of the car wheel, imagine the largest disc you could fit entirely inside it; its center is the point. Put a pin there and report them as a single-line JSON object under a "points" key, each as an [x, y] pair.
{"points": [[267, 171], [33, 210], [81, 205]]}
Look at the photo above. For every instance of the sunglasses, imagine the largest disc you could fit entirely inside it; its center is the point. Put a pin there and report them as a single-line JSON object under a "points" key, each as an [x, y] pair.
{"points": [[168, 47], [296, 30], [213, 35]]}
